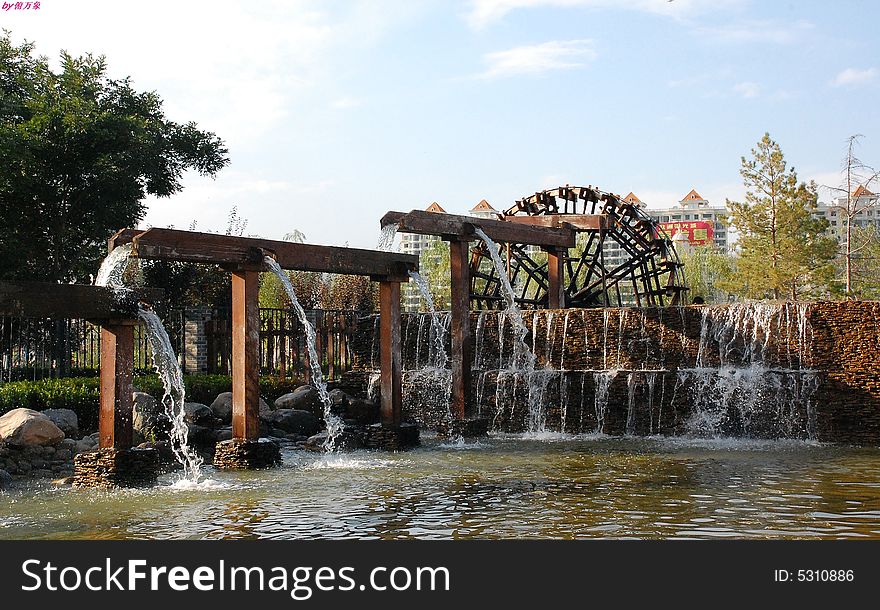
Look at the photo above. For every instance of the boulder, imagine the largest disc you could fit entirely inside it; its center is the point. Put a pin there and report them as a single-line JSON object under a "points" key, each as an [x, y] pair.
{"points": [[339, 399], [363, 411], [201, 435], [64, 419], [303, 398], [5, 479], [222, 407], [29, 427], [296, 421], [349, 440], [197, 413], [148, 416]]}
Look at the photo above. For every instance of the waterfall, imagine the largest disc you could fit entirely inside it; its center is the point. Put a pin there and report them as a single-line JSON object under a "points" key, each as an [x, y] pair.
{"points": [[522, 364], [332, 421], [737, 377], [113, 267], [602, 381], [165, 363], [386, 238], [111, 275], [434, 373]]}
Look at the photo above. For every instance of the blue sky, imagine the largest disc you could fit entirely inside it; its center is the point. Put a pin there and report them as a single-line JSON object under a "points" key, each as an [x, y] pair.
{"points": [[335, 112]]}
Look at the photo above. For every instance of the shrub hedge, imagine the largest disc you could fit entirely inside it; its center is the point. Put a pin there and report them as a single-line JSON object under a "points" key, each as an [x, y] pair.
{"points": [[80, 394]]}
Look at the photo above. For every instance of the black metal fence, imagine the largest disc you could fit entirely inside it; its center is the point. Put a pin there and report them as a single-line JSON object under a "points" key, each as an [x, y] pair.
{"points": [[283, 348], [42, 348]]}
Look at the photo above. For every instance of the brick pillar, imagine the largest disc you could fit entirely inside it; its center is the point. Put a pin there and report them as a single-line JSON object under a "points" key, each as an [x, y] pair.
{"points": [[195, 339]]}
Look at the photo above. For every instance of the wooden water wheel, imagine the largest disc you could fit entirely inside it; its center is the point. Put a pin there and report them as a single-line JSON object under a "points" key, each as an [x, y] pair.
{"points": [[622, 257]]}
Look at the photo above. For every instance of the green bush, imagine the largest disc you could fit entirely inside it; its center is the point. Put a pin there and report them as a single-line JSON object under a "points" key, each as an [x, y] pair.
{"points": [[81, 394]]}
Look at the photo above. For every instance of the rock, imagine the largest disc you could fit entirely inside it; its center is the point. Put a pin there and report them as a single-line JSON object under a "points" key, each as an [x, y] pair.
{"points": [[303, 398], [338, 401], [148, 416], [347, 441], [64, 419], [222, 407], [224, 434], [29, 427], [5, 479], [265, 410], [295, 420], [197, 413], [363, 411], [201, 435], [83, 445], [62, 482]]}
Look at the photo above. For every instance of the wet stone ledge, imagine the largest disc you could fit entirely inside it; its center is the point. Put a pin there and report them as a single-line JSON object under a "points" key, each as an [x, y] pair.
{"points": [[239, 454], [401, 438], [110, 468], [466, 428]]}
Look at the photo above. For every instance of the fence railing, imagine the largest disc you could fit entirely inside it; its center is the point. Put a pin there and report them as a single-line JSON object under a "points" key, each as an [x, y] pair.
{"points": [[283, 349], [43, 348]]}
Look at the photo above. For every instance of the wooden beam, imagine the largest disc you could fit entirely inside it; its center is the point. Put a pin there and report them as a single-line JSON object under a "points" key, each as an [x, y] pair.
{"points": [[460, 288], [211, 248], [555, 275], [245, 355], [451, 226], [580, 222], [389, 357], [117, 362], [46, 300]]}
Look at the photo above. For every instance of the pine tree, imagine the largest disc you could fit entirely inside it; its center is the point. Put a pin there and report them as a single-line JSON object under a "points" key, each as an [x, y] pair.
{"points": [[783, 246]]}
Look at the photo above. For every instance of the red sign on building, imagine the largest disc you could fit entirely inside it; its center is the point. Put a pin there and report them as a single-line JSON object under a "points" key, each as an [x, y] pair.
{"points": [[699, 232]]}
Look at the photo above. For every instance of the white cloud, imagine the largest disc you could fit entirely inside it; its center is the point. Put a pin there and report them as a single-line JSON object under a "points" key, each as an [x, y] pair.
{"points": [[757, 32], [344, 103], [854, 77], [539, 58], [747, 89], [484, 12]]}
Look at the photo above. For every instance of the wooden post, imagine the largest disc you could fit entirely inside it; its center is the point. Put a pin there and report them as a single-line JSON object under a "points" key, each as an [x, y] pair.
{"points": [[389, 358], [245, 355], [555, 276], [117, 364], [460, 289]]}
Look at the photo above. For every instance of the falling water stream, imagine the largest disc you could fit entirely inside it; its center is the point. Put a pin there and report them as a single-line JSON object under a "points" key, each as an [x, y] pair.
{"points": [[522, 363], [111, 274], [333, 422]]}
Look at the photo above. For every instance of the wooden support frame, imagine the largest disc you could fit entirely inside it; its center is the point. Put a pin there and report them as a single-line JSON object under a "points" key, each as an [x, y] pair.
{"points": [[211, 248], [451, 226], [243, 257], [461, 357], [556, 279], [390, 354], [116, 383], [117, 314], [246, 354]]}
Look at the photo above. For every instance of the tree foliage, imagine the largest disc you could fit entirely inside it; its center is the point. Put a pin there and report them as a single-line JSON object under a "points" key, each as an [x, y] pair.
{"points": [[707, 271], [79, 152], [434, 266], [784, 248]]}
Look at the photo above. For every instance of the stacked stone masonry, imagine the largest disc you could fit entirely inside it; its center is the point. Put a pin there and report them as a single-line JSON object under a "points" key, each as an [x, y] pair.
{"points": [[813, 369]]}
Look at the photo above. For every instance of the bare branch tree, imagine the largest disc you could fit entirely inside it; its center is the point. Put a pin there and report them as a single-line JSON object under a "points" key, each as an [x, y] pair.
{"points": [[854, 174]]}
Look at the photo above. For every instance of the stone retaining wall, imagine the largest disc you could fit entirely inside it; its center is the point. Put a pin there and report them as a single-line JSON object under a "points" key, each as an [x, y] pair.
{"points": [[785, 370]]}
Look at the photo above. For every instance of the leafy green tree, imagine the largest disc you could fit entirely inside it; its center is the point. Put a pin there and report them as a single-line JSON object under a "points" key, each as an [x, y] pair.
{"points": [[707, 270], [434, 267], [79, 152], [783, 246]]}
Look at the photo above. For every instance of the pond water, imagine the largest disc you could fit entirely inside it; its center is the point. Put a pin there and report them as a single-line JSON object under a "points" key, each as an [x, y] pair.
{"points": [[501, 487]]}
